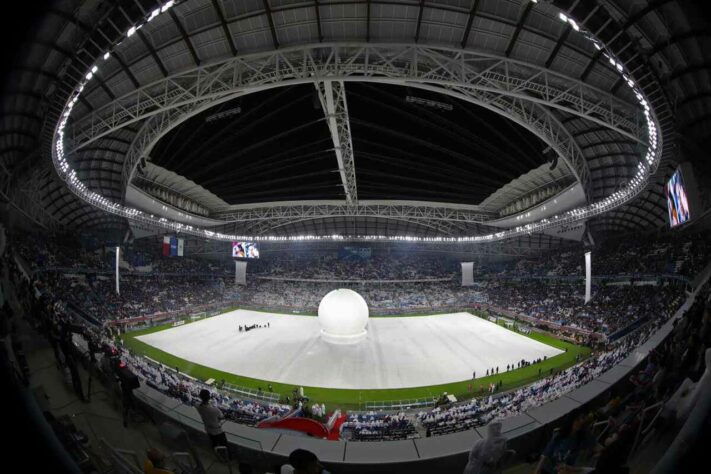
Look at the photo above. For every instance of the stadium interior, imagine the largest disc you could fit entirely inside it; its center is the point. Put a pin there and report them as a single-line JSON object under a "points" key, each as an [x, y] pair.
{"points": [[356, 236]]}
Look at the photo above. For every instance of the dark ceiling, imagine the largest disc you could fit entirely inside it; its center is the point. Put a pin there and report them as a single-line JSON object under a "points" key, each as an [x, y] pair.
{"points": [[278, 147]]}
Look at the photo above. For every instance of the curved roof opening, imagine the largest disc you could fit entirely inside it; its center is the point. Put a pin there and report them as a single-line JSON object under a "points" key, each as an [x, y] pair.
{"points": [[408, 144]]}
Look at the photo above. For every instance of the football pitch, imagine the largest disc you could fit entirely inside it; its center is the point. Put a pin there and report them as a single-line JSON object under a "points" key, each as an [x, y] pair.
{"points": [[403, 357]]}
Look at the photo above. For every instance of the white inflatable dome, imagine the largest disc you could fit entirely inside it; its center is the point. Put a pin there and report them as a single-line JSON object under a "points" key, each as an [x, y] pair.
{"points": [[343, 317]]}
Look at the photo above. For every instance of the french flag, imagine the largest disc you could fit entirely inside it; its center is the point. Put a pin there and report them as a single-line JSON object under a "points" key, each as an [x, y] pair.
{"points": [[173, 246], [166, 245]]}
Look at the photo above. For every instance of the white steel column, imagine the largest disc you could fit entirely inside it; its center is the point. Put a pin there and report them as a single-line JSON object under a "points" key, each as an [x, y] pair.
{"points": [[332, 95], [240, 272], [588, 275], [118, 253]]}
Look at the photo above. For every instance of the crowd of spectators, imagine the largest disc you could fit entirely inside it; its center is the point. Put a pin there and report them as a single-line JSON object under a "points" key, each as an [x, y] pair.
{"points": [[166, 284], [40, 252], [653, 403], [377, 267], [612, 307], [377, 426], [138, 296], [477, 412], [441, 420], [66, 253], [672, 254], [680, 356], [73, 339], [395, 297], [187, 390]]}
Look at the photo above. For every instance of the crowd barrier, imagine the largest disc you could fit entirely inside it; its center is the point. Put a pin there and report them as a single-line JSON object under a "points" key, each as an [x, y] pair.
{"points": [[81, 270], [313, 310], [354, 282], [606, 278], [405, 404], [537, 322], [251, 393], [166, 317]]}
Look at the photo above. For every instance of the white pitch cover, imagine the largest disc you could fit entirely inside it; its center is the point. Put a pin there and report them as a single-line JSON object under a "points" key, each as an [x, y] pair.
{"points": [[240, 272], [588, 276], [467, 273]]}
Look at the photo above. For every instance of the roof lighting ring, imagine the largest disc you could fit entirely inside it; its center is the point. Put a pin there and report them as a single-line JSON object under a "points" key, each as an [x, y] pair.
{"points": [[646, 167]]}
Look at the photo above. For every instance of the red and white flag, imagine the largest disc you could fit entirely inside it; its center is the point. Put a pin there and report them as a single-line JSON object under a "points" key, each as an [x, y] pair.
{"points": [[166, 245]]}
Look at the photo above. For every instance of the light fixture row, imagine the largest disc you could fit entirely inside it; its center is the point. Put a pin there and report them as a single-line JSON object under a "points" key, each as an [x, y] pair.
{"points": [[646, 166]]}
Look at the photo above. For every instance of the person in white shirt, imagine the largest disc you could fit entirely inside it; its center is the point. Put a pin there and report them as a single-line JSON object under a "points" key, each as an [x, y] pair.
{"points": [[487, 454], [212, 417]]}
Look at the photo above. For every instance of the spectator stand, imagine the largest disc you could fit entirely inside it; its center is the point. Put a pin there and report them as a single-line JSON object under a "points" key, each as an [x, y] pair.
{"points": [[526, 413]]}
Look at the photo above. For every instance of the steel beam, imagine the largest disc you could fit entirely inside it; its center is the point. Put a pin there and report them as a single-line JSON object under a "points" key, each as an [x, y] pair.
{"points": [[437, 67], [25, 197], [332, 95], [393, 210], [464, 75], [527, 94]]}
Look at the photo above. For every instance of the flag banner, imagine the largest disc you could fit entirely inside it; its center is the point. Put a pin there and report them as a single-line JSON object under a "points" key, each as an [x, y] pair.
{"points": [[166, 245], [467, 273], [240, 272], [181, 245], [173, 246]]}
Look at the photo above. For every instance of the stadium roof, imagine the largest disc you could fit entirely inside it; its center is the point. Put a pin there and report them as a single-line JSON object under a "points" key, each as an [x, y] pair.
{"points": [[402, 150], [278, 148]]}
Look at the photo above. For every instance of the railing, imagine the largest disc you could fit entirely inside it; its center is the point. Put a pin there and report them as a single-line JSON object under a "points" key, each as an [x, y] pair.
{"points": [[313, 310], [81, 314], [627, 329], [540, 322], [655, 409], [619, 277], [124, 272], [123, 461], [353, 282], [210, 309], [404, 404], [252, 393]]}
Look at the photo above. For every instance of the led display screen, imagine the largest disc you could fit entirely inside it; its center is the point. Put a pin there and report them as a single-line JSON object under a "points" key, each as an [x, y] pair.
{"points": [[677, 200], [245, 250]]}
